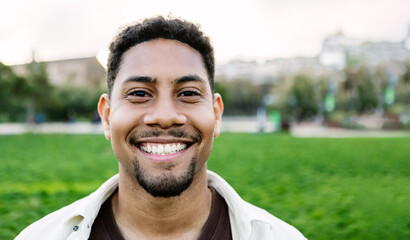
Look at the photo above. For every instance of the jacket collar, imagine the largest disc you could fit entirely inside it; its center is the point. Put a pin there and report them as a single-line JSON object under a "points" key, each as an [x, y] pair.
{"points": [[241, 213], [86, 209]]}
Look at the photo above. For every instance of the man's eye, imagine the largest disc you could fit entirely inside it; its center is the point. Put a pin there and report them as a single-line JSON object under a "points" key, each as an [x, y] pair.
{"points": [[139, 93], [189, 94]]}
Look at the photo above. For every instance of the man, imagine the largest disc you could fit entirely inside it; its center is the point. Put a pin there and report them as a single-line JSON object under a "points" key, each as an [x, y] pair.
{"points": [[161, 115]]}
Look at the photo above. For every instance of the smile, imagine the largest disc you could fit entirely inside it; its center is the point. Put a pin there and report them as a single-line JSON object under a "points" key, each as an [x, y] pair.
{"points": [[162, 149]]}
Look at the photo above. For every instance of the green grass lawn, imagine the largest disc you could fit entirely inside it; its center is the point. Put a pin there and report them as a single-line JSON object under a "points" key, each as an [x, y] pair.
{"points": [[327, 188]]}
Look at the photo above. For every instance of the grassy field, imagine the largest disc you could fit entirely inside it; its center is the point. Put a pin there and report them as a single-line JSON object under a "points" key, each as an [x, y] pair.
{"points": [[327, 188]]}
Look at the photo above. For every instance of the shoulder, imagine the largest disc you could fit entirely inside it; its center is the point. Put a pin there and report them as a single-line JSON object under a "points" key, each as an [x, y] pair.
{"points": [[74, 220], [249, 221], [56, 225]]}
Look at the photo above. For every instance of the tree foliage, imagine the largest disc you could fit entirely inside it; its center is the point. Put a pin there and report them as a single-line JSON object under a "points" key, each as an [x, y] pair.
{"points": [[240, 96], [303, 97], [24, 97], [360, 90], [403, 88], [14, 91]]}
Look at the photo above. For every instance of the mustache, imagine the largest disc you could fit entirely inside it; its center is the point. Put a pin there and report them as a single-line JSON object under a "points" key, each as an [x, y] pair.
{"points": [[177, 133]]}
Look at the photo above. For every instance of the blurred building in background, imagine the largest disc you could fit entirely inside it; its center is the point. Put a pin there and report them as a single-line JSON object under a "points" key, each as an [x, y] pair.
{"points": [[337, 51], [80, 72]]}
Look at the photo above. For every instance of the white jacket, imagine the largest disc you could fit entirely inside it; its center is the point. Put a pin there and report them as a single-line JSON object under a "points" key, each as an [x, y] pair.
{"points": [[75, 220]]}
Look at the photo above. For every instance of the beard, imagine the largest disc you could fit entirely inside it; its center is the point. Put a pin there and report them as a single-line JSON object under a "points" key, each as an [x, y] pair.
{"points": [[165, 185]]}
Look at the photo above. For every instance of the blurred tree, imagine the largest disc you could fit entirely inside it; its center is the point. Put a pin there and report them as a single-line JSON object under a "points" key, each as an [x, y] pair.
{"points": [[367, 92], [349, 86], [222, 89], [302, 98], [41, 89], [14, 92], [241, 96], [403, 87], [360, 90], [406, 75], [73, 103]]}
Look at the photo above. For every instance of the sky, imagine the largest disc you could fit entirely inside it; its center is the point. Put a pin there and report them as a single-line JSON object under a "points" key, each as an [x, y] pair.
{"points": [[239, 29]]}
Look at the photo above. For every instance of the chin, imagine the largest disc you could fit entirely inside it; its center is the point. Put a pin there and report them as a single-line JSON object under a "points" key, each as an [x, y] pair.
{"points": [[165, 184]]}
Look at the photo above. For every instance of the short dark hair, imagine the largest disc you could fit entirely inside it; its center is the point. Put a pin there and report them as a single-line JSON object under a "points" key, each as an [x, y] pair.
{"points": [[155, 28]]}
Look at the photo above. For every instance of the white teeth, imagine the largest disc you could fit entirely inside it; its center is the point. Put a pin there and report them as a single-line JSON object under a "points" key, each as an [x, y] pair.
{"points": [[154, 149], [167, 149], [163, 149], [160, 149]]}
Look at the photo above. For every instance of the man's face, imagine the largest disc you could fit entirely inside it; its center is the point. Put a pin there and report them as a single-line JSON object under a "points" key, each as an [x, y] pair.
{"points": [[161, 117]]}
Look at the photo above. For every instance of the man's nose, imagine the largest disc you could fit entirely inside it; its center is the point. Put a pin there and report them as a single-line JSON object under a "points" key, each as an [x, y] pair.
{"points": [[165, 114]]}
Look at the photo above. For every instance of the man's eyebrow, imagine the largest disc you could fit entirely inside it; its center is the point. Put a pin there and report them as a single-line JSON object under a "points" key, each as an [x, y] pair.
{"points": [[141, 79], [189, 78]]}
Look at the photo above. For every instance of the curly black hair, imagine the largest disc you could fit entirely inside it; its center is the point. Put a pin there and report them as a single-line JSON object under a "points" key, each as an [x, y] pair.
{"points": [[155, 28]]}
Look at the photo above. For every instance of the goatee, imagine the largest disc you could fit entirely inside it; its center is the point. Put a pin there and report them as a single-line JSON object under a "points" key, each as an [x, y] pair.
{"points": [[165, 185]]}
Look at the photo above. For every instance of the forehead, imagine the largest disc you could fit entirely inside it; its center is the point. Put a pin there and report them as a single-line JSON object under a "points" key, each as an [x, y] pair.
{"points": [[161, 59]]}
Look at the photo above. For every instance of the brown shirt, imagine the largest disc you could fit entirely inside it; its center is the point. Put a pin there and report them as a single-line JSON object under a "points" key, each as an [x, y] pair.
{"points": [[216, 227]]}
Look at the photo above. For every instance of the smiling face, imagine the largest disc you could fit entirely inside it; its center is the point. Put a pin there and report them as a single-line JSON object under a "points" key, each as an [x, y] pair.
{"points": [[161, 116]]}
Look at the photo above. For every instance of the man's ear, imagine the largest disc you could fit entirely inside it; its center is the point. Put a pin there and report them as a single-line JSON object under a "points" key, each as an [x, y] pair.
{"points": [[218, 110], [104, 112]]}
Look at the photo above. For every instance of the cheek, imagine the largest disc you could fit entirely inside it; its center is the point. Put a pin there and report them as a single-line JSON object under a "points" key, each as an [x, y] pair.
{"points": [[121, 122], [204, 121]]}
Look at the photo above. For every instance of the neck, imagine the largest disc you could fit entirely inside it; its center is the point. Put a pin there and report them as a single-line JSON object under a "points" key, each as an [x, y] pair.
{"points": [[138, 214]]}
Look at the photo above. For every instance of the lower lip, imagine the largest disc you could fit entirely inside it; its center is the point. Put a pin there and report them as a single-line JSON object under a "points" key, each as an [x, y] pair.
{"points": [[163, 158]]}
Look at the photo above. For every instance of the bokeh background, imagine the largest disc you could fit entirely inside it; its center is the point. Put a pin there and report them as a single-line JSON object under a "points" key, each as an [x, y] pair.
{"points": [[316, 126]]}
